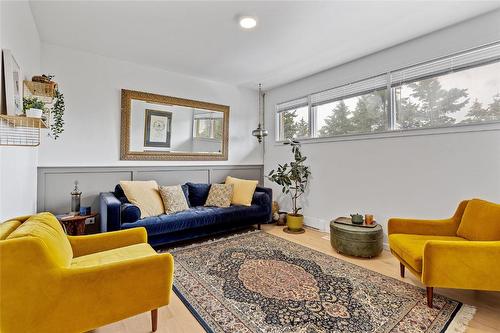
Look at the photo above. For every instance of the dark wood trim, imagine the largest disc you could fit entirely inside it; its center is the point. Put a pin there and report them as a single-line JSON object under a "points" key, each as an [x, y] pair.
{"points": [[402, 270], [154, 320], [430, 294]]}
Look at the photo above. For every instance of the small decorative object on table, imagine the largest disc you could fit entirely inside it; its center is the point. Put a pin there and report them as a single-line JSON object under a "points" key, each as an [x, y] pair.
{"points": [[357, 219], [360, 240], [74, 224], [85, 210], [369, 219], [75, 199]]}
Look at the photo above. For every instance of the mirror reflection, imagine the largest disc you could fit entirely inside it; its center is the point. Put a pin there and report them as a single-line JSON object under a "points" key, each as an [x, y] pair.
{"points": [[161, 127]]}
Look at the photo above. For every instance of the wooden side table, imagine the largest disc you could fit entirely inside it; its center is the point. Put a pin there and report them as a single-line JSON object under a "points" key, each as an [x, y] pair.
{"points": [[360, 241], [75, 225]]}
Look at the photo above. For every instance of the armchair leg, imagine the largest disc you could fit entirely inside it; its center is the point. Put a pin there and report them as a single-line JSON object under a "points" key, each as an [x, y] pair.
{"points": [[430, 293], [402, 270], [154, 320]]}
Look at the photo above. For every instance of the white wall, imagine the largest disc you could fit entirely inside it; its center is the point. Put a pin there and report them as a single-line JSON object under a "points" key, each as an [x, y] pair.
{"points": [[18, 164], [91, 85], [414, 176]]}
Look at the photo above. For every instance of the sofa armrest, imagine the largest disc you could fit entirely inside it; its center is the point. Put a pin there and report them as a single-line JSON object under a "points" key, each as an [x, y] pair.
{"points": [[263, 197], [462, 264], [88, 244], [110, 210]]}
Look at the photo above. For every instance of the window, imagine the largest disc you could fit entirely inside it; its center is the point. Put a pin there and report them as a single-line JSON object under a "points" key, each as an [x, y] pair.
{"points": [[208, 128], [467, 96], [360, 114], [455, 90], [294, 123]]}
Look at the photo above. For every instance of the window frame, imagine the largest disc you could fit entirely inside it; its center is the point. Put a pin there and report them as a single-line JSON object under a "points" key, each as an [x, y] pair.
{"points": [[390, 88]]}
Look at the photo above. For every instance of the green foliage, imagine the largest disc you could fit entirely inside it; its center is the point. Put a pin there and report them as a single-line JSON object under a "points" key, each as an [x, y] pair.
{"points": [[437, 104], [32, 103], [302, 128], [337, 122], [57, 125], [292, 177]]}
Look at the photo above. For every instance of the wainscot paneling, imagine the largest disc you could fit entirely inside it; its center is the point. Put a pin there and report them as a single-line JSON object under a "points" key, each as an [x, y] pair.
{"points": [[56, 183]]}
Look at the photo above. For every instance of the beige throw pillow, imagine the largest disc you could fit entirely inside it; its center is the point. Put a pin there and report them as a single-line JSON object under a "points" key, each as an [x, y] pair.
{"points": [[145, 195], [220, 195], [243, 190], [173, 199]]}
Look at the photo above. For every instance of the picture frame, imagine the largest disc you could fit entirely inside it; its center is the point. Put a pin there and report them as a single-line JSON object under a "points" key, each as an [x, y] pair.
{"points": [[13, 84], [157, 129]]}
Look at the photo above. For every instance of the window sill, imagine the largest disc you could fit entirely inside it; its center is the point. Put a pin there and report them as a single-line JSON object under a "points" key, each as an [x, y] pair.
{"points": [[463, 128]]}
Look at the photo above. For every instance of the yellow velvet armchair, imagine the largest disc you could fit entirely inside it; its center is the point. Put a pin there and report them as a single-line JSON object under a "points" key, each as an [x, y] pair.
{"points": [[50, 282], [460, 252]]}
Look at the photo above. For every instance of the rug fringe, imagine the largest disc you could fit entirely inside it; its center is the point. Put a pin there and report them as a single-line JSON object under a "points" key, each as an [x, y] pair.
{"points": [[460, 323]]}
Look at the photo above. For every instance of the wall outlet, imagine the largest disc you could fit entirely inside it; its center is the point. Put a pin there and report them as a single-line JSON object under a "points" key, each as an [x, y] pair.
{"points": [[90, 220]]}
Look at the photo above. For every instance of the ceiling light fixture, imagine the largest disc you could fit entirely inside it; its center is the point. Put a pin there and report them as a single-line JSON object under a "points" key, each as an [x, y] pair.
{"points": [[248, 22]]}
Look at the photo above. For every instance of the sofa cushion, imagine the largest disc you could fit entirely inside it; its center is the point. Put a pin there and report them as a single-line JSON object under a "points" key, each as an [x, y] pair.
{"points": [[47, 228], [7, 227], [220, 195], [199, 217], [410, 248], [145, 195], [243, 190], [481, 221], [173, 198], [120, 254], [198, 193]]}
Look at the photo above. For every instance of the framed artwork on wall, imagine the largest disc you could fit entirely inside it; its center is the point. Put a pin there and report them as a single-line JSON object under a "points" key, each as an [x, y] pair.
{"points": [[157, 128], [13, 84]]}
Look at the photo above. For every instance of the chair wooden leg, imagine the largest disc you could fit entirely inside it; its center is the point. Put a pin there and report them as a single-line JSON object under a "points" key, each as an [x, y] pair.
{"points": [[154, 320], [402, 270], [430, 293]]}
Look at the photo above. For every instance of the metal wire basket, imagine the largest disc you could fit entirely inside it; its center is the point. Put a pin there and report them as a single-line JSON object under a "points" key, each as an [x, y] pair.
{"points": [[20, 130]]}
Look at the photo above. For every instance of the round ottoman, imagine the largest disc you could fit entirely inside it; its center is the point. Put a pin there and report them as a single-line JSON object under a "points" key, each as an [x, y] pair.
{"points": [[356, 241]]}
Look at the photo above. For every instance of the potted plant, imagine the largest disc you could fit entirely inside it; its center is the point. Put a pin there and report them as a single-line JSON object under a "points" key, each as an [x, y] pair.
{"points": [[33, 107], [293, 178]]}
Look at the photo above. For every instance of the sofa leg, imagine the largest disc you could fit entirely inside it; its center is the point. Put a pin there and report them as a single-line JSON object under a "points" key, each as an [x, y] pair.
{"points": [[430, 293], [402, 270], [258, 226], [154, 320]]}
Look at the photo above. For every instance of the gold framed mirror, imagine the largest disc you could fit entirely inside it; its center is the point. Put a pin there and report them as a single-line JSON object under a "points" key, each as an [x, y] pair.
{"points": [[157, 127]]}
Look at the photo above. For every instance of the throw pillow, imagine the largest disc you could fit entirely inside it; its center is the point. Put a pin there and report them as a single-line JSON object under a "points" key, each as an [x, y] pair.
{"points": [[481, 221], [220, 195], [242, 190], [198, 193], [173, 198], [145, 195]]}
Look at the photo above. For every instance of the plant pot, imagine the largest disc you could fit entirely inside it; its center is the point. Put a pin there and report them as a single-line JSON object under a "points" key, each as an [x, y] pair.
{"points": [[34, 113], [294, 222]]}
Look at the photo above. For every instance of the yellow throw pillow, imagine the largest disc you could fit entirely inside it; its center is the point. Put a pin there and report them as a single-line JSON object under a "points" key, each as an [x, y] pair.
{"points": [[145, 195], [220, 195], [481, 221], [242, 190], [48, 229], [173, 198]]}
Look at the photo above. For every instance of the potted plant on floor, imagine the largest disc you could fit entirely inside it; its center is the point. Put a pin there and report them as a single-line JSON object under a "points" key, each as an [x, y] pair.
{"points": [[293, 178]]}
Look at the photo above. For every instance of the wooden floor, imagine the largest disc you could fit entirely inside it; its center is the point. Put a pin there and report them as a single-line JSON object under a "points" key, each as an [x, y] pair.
{"points": [[175, 318]]}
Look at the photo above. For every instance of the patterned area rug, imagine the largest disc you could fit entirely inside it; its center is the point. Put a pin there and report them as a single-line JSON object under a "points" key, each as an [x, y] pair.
{"points": [[256, 282]]}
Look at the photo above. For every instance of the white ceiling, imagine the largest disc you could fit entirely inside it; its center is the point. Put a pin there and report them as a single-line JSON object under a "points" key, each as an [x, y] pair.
{"points": [[292, 40]]}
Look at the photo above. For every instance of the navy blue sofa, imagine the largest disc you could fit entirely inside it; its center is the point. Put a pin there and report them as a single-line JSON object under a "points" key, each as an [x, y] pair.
{"points": [[196, 222]]}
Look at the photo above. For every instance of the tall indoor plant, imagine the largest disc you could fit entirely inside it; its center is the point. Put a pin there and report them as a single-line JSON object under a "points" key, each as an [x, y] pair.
{"points": [[293, 178]]}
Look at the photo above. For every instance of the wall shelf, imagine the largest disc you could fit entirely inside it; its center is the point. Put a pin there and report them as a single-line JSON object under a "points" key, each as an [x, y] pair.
{"points": [[20, 130], [44, 91]]}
